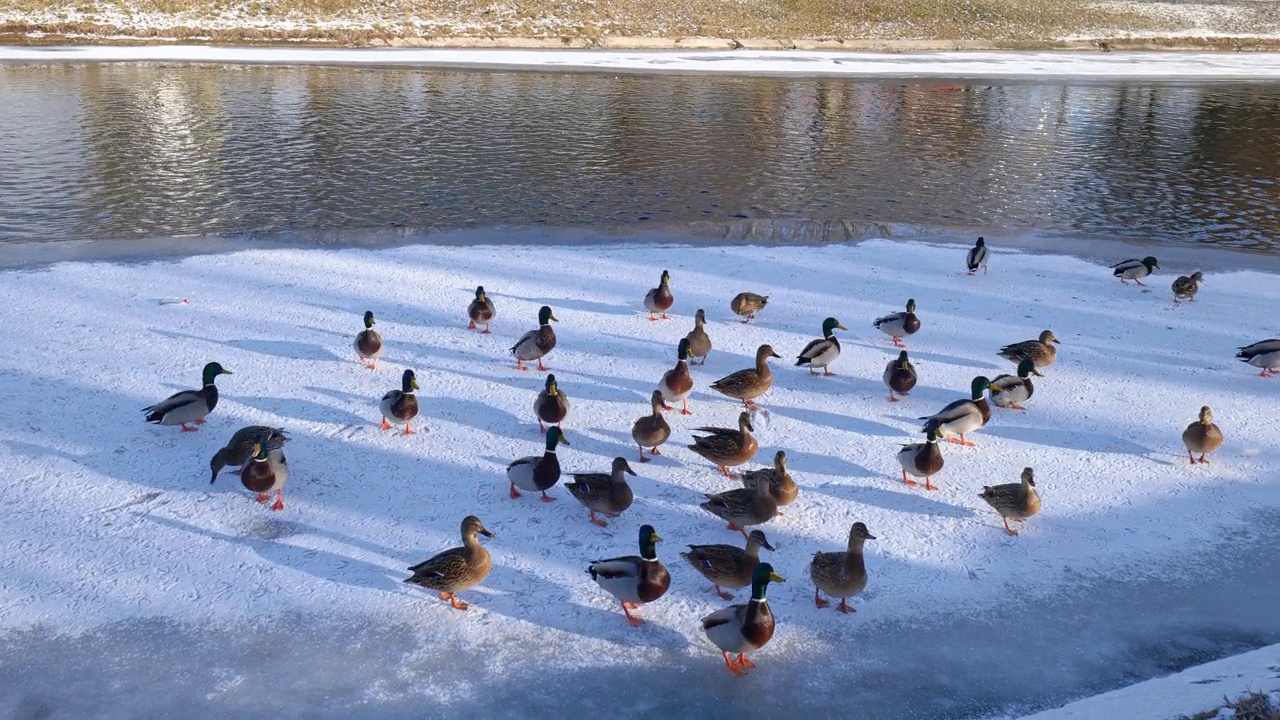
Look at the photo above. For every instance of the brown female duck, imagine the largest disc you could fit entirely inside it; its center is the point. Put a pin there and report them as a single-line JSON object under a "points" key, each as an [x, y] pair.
{"points": [[1202, 436], [604, 493], [456, 569], [749, 384], [699, 340], [841, 574], [651, 430], [742, 507], [1014, 501], [725, 447], [727, 565], [782, 488]]}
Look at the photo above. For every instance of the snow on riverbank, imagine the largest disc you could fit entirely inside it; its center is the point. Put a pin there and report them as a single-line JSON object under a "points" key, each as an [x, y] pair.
{"points": [[109, 520]]}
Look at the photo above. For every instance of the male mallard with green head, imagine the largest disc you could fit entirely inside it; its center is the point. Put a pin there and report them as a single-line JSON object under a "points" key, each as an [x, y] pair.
{"points": [[727, 565], [241, 447], [538, 473], [841, 574], [660, 299], [481, 310], [604, 493], [749, 384], [977, 257], [751, 505], [677, 383], [1007, 391], [266, 473], [962, 416], [400, 407], [725, 447], [900, 376], [535, 344], [1014, 501], [188, 406], [1202, 436], [782, 488], [368, 343], [651, 430], [1134, 269], [900, 324], [1186, 286], [699, 340], [745, 627], [456, 569], [922, 460], [746, 304], [822, 352], [551, 406], [1040, 352], [633, 579], [1264, 354]]}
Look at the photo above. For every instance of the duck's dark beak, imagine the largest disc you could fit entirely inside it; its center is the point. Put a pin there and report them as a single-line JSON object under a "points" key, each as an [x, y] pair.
{"points": [[486, 533]]}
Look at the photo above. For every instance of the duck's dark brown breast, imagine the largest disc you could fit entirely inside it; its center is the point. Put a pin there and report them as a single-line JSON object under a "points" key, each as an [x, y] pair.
{"points": [[368, 342], [757, 626], [654, 581], [985, 408], [663, 299], [258, 476], [902, 380], [546, 472], [480, 312], [910, 323], [679, 379], [549, 409], [546, 338], [406, 407]]}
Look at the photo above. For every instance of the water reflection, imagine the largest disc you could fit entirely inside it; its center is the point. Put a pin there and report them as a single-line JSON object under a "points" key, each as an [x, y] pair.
{"points": [[125, 151]]}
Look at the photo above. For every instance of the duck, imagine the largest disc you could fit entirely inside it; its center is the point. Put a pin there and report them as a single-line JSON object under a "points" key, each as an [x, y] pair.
{"points": [[749, 384], [535, 344], [660, 299], [481, 310], [1186, 287], [743, 506], [782, 488], [1041, 351], [677, 383], [822, 352], [727, 448], [977, 257], [699, 340], [188, 406], [456, 569], [651, 430], [551, 406], [1264, 354], [922, 459], [900, 376], [727, 565], [1202, 436], [266, 472], [747, 304], [1014, 501], [634, 579], [1134, 269], [841, 574], [368, 343], [538, 473], [900, 324], [745, 627], [239, 448], [1007, 391], [962, 416], [604, 493], [401, 406]]}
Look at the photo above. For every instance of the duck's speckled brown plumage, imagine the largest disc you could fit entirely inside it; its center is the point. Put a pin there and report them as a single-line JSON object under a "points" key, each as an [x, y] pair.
{"points": [[747, 304], [456, 569], [1041, 352], [606, 493], [726, 447], [727, 565], [1202, 436], [699, 340], [751, 383], [841, 574], [1186, 286], [651, 430], [1014, 501], [240, 447], [742, 507], [781, 486]]}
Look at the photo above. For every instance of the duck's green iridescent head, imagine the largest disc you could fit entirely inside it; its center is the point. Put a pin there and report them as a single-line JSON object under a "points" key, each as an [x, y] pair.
{"points": [[979, 386], [981, 242], [666, 278], [555, 436], [545, 315], [931, 432], [368, 319], [829, 325], [761, 578], [1025, 368], [648, 538], [1150, 262], [682, 351], [259, 451], [213, 370], [480, 293], [903, 362], [552, 390], [911, 305], [408, 382]]}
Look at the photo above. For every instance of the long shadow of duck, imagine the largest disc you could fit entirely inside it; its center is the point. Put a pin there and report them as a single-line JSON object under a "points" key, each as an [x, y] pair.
{"points": [[276, 348], [1073, 440]]}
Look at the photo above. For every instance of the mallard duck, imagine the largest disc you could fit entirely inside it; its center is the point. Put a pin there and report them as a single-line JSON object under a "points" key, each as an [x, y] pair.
{"points": [[677, 383], [401, 406], [604, 493], [962, 416], [538, 473], [481, 310], [746, 627], [728, 565], [782, 488], [751, 505], [749, 384], [977, 257], [633, 579], [1202, 436], [900, 376], [240, 448], [699, 340], [921, 459], [727, 448], [746, 304], [535, 344], [1007, 390], [651, 430], [841, 574], [822, 352], [1040, 352], [266, 473], [368, 343], [1134, 269], [1014, 501], [900, 324], [1186, 286], [456, 569], [188, 406], [660, 299], [1264, 355], [551, 405]]}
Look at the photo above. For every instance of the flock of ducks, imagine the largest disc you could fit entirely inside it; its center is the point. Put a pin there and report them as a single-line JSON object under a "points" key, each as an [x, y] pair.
{"points": [[637, 579]]}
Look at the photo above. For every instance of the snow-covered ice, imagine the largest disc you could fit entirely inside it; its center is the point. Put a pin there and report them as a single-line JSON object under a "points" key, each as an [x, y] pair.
{"points": [[131, 586]]}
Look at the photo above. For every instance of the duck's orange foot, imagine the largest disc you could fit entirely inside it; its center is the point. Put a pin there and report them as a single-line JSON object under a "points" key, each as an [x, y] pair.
{"points": [[654, 451], [819, 602], [929, 485], [743, 662], [279, 504], [892, 398], [541, 366], [188, 429], [723, 595], [845, 607], [597, 521], [471, 325], [386, 425], [201, 421], [263, 497], [733, 667], [486, 330], [547, 498], [409, 431], [635, 621], [456, 603], [515, 493]]}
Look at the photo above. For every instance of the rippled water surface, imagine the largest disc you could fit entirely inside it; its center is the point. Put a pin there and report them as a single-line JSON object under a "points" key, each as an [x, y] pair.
{"points": [[127, 151]]}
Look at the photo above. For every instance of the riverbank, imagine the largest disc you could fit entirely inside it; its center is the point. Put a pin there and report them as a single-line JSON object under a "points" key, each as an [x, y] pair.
{"points": [[658, 24]]}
